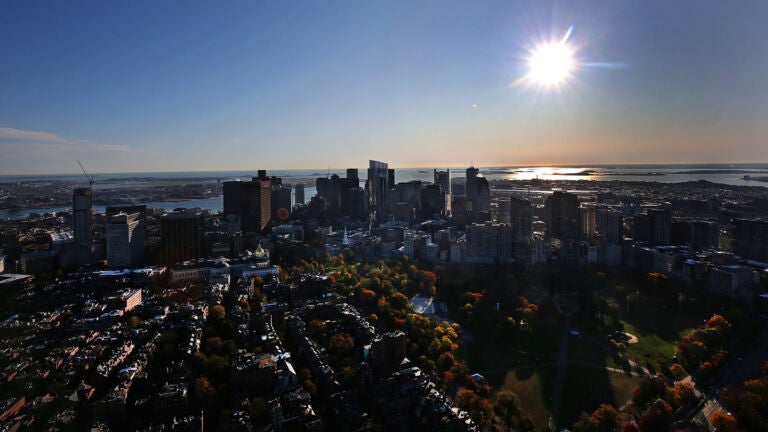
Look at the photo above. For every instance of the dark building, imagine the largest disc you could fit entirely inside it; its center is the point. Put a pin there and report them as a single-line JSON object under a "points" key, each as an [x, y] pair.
{"points": [[705, 234], [250, 202], [82, 220], [432, 202], [407, 193], [280, 202], [662, 221], [477, 191], [82, 225], [181, 236], [343, 195], [610, 225], [562, 211], [298, 191], [750, 239], [443, 179]]}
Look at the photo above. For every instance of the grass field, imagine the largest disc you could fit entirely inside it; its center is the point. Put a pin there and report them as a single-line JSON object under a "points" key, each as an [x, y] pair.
{"points": [[650, 346]]}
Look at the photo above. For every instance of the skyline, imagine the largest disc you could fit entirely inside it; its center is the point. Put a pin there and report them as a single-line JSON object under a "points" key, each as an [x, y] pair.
{"points": [[150, 88]]}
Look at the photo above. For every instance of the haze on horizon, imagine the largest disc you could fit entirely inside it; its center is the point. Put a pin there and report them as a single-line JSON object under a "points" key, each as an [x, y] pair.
{"points": [[188, 86]]}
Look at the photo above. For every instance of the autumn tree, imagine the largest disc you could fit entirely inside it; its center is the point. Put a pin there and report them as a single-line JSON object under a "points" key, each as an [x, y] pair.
{"points": [[723, 422], [340, 344]]}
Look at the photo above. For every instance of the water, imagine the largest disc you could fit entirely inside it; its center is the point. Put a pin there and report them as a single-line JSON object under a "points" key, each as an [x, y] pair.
{"points": [[732, 174]]}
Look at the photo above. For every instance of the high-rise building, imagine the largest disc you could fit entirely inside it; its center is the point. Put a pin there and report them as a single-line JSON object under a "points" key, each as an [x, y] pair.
{"points": [[298, 192], [82, 219], [562, 211], [82, 225], [477, 191], [122, 243], [432, 201], [518, 213], [280, 202], [610, 225], [343, 195], [443, 179], [378, 188], [750, 238], [181, 236], [139, 233], [250, 202], [662, 221], [587, 228], [489, 243]]}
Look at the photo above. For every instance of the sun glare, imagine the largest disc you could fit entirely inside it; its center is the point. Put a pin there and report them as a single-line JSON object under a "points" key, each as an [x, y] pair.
{"points": [[551, 64]]}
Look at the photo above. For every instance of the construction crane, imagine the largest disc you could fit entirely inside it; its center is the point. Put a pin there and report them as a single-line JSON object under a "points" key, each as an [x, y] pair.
{"points": [[90, 178]]}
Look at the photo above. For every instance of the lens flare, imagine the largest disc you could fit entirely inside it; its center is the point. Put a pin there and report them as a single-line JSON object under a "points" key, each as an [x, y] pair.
{"points": [[551, 64]]}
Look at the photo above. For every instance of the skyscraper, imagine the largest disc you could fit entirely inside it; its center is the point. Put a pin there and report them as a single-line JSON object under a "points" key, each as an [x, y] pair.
{"points": [[82, 225], [122, 243], [477, 191], [82, 219], [298, 191], [610, 225], [378, 186], [562, 210], [181, 236], [139, 233], [250, 202], [443, 179]]}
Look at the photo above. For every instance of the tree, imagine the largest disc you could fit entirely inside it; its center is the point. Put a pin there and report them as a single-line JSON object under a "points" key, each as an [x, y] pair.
{"points": [[217, 313], [507, 407], [723, 422], [398, 301], [340, 344], [606, 417]]}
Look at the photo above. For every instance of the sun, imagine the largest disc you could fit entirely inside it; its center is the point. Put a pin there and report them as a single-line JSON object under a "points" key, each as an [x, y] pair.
{"points": [[551, 64]]}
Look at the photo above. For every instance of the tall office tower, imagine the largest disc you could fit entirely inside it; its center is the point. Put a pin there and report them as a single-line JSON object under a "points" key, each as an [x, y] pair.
{"points": [[256, 205], [662, 221], [432, 202], [408, 192], [587, 228], [181, 236], [122, 244], [750, 238], [139, 234], [341, 194], [391, 177], [82, 225], [298, 192], [704, 234], [477, 191], [280, 203], [562, 211], [490, 242], [519, 213], [610, 225], [81, 216], [250, 202], [443, 179], [378, 187]]}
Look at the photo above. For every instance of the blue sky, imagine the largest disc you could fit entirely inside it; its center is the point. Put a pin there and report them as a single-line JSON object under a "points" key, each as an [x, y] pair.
{"points": [[175, 86]]}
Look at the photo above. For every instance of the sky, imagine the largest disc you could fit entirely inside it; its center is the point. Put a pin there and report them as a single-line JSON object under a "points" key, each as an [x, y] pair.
{"points": [[205, 86]]}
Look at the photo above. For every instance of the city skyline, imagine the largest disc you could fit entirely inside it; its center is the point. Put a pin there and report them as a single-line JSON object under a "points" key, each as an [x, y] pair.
{"points": [[146, 87]]}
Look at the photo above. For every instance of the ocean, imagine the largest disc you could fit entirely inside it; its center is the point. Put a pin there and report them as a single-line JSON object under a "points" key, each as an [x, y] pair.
{"points": [[732, 174]]}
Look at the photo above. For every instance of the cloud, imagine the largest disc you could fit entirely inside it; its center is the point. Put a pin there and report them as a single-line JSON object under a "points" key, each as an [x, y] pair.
{"points": [[11, 134]]}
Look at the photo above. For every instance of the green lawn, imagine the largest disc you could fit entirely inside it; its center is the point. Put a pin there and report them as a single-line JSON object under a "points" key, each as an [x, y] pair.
{"points": [[650, 346]]}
